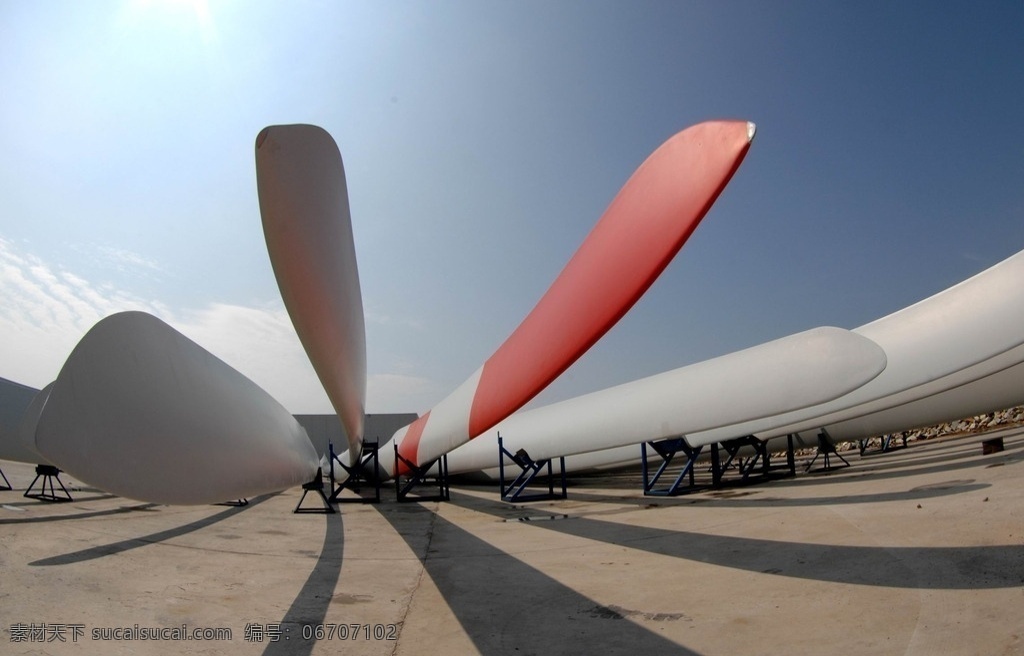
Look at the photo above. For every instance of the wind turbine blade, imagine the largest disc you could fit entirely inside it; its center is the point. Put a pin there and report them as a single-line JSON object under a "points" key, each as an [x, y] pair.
{"points": [[961, 334], [26, 433], [15, 403], [641, 231], [308, 227], [793, 372], [141, 411]]}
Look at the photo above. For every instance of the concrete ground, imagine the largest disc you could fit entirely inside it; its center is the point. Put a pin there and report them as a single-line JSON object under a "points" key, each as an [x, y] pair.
{"points": [[916, 551]]}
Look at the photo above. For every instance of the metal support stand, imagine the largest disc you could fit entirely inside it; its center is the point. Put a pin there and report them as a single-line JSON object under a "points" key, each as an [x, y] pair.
{"points": [[732, 447], [47, 492], [994, 445], [418, 476], [6, 484], [668, 449], [758, 466], [749, 467], [315, 485], [357, 475], [886, 446], [827, 449], [529, 470]]}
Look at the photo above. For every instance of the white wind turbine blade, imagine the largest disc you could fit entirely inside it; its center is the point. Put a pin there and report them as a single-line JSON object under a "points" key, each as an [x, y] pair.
{"points": [[308, 228], [30, 422], [141, 411], [793, 372]]}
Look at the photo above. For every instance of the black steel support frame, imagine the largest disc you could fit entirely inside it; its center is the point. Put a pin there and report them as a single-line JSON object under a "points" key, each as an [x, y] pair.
{"points": [[826, 448], [749, 467], [49, 474], [669, 448], [357, 476], [315, 485], [6, 484], [885, 447], [530, 468], [418, 476]]}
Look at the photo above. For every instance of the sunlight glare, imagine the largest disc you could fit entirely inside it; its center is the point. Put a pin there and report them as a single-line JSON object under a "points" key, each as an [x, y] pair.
{"points": [[174, 15]]}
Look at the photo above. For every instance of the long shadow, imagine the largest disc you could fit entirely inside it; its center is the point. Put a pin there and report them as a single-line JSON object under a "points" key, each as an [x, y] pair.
{"points": [[310, 606], [100, 551], [84, 515], [36, 502], [902, 464], [925, 568], [742, 498], [501, 601], [896, 469], [913, 458]]}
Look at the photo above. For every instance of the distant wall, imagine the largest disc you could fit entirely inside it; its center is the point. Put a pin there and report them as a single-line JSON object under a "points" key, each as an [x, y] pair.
{"points": [[323, 429]]}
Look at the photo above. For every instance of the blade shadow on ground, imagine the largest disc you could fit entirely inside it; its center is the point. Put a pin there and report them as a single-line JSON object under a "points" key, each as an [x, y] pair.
{"points": [[310, 606], [101, 551], [924, 568], [500, 601]]}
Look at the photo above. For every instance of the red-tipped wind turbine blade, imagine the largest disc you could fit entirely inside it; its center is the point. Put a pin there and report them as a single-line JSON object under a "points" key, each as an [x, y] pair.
{"points": [[641, 231]]}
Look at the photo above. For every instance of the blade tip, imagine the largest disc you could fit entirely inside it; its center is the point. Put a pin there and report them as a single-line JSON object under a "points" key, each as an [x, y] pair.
{"points": [[262, 136]]}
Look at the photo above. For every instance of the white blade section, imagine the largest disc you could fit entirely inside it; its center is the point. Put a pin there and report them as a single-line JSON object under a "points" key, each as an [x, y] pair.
{"points": [[308, 227], [26, 433], [961, 334], [141, 411], [793, 372], [999, 388]]}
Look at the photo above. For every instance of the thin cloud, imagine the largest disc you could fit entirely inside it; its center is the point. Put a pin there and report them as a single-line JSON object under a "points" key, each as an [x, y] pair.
{"points": [[45, 311], [125, 259], [402, 393], [117, 259], [261, 343], [382, 319]]}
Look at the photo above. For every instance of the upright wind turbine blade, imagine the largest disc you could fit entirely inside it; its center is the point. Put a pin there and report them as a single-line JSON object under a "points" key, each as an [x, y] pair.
{"points": [[308, 227], [641, 231], [142, 411]]}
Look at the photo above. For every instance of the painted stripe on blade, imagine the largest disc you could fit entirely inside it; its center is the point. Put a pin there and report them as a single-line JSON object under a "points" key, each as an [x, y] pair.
{"points": [[410, 444], [448, 426]]}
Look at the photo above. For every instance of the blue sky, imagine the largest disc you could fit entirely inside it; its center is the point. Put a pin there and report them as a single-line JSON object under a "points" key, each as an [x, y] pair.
{"points": [[482, 141]]}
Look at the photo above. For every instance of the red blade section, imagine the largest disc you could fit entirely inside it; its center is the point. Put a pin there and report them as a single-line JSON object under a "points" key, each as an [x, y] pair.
{"points": [[410, 444], [641, 231]]}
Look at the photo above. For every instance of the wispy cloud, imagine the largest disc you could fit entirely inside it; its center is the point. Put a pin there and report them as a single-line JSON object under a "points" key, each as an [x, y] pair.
{"points": [[382, 319], [261, 343], [45, 310], [124, 259], [403, 393], [121, 260]]}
